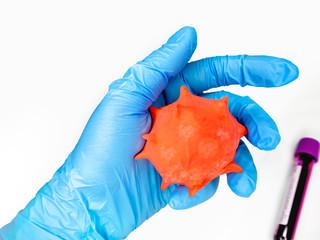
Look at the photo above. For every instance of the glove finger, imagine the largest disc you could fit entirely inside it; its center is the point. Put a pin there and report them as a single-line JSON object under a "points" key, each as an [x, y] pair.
{"points": [[243, 184], [259, 71], [262, 130], [180, 198], [144, 81]]}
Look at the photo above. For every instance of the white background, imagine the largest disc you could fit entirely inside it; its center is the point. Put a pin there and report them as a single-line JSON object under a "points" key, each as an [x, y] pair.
{"points": [[57, 59]]}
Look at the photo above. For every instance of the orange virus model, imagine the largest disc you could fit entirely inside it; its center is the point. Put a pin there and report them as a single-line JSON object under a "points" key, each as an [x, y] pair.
{"points": [[192, 141]]}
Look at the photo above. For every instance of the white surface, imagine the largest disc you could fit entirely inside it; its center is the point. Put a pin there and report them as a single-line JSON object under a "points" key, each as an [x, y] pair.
{"points": [[57, 59]]}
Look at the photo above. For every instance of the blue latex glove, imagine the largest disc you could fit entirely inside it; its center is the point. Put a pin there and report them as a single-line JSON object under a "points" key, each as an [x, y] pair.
{"points": [[100, 192]]}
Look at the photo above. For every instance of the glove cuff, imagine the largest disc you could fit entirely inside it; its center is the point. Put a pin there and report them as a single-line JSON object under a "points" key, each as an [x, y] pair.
{"points": [[22, 228], [56, 212]]}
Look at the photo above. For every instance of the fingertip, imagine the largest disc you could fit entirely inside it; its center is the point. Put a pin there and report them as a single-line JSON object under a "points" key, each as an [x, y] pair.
{"points": [[263, 133], [188, 33], [190, 29], [292, 72], [267, 71], [180, 198], [243, 184], [262, 129], [287, 72], [270, 141]]}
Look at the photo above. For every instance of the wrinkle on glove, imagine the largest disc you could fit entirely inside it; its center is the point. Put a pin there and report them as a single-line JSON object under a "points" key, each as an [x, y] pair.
{"points": [[101, 192]]}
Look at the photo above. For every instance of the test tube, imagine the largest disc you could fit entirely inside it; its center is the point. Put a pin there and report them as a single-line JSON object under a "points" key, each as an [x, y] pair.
{"points": [[306, 155]]}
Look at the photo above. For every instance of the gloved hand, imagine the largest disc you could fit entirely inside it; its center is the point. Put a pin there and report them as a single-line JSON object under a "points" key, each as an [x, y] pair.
{"points": [[100, 192]]}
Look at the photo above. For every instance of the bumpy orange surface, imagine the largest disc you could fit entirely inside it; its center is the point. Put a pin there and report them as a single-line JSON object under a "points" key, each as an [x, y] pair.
{"points": [[192, 141]]}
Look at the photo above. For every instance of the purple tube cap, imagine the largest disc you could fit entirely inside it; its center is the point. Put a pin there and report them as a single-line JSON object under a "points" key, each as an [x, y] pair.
{"points": [[310, 146]]}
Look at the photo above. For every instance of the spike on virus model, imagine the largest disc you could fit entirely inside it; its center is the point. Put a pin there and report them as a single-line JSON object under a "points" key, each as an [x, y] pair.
{"points": [[192, 141]]}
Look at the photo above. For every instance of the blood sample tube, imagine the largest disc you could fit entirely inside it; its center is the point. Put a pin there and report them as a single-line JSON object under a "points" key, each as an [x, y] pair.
{"points": [[306, 155]]}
